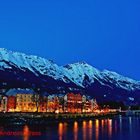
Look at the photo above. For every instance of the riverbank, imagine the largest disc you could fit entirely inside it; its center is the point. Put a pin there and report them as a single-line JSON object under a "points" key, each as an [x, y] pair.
{"points": [[43, 118]]}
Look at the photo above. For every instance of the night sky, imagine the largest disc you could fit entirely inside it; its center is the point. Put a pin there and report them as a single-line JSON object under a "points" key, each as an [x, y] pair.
{"points": [[104, 33]]}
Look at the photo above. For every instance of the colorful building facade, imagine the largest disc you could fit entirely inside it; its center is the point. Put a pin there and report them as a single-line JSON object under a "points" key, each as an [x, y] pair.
{"points": [[29, 102], [73, 103], [25, 103], [11, 103]]}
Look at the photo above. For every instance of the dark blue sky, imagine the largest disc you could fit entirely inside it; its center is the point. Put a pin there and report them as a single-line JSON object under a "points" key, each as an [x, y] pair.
{"points": [[104, 33]]}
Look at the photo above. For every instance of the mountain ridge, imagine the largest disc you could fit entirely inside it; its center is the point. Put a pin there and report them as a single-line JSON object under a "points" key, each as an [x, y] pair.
{"points": [[32, 71]]}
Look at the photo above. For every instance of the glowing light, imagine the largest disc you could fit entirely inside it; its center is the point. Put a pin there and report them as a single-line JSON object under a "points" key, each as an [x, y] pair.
{"points": [[75, 129], [60, 131], [97, 129], [57, 111], [84, 130], [90, 124], [130, 124], [109, 127], [65, 128], [90, 129], [26, 133], [103, 125]]}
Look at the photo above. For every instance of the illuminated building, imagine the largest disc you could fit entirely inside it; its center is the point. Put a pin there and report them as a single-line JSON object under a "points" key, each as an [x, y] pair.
{"points": [[3, 100], [88, 106], [25, 103], [25, 100], [56, 104], [84, 98], [61, 103], [50, 104], [42, 107], [42, 104], [53, 104], [73, 103], [94, 105], [11, 103], [4, 104], [84, 103], [78, 103], [69, 102]]}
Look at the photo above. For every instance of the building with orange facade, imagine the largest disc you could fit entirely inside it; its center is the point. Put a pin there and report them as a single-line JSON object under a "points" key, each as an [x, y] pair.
{"points": [[42, 107], [53, 104], [11, 103], [42, 104], [73, 103], [27, 101], [78, 103]]}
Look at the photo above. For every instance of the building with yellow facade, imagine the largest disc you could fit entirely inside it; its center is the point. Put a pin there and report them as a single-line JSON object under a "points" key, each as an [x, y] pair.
{"points": [[25, 102]]}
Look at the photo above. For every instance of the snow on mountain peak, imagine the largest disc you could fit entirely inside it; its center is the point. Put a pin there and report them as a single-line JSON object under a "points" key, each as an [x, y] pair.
{"points": [[121, 81], [118, 77], [76, 72], [33, 63]]}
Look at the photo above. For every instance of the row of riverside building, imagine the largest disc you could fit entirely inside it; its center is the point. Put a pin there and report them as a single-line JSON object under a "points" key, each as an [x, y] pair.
{"points": [[30, 102]]}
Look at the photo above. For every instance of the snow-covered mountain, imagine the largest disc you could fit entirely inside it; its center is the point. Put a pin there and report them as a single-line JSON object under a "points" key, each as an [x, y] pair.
{"points": [[21, 70]]}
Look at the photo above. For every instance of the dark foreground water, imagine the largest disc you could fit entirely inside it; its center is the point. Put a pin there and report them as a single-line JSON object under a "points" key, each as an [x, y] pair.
{"points": [[116, 128]]}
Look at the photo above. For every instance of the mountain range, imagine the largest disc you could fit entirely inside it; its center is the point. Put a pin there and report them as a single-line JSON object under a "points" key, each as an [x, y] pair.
{"points": [[18, 70]]}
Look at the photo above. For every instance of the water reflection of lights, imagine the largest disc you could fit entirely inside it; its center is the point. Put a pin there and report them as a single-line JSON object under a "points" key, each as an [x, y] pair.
{"points": [[130, 124], [90, 124], [90, 129], [103, 122], [97, 129], [65, 128], [110, 127], [84, 130], [60, 131], [130, 120], [120, 122], [26, 133], [102, 125], [75, 129]]}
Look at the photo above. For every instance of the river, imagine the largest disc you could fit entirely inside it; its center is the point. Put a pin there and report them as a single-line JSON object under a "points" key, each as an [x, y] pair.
{"points": [[115, 128]]}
